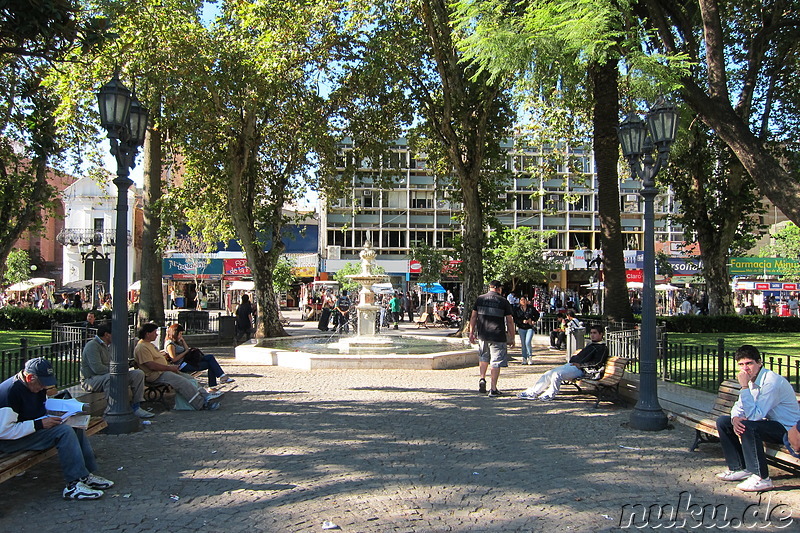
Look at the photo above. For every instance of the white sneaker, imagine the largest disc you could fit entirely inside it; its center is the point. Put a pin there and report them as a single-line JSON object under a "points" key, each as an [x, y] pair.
{"points": [[734, 475], [755, 484], [78, 490], [141, 413], [527, 396], [97, 482]]}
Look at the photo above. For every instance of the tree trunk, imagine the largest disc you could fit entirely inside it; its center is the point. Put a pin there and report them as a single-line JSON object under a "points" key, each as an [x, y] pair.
{"points": [[151, 301], [472, 257], [606, 153], [718, 282], [241, 203]]}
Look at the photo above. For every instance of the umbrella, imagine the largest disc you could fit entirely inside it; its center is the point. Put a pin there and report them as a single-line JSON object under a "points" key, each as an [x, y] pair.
{"points": [[594, 286], [135, 286], [80, 284], [433, 288], [635, 285], [29, 284]]}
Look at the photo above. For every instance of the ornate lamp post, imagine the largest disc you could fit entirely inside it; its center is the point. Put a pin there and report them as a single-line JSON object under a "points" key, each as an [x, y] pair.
{"points": [[638, 138], [125, 120]]}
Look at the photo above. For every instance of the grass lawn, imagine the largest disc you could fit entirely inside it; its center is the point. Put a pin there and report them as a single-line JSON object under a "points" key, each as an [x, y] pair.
{"points": [[779, 343], [10, 339]]}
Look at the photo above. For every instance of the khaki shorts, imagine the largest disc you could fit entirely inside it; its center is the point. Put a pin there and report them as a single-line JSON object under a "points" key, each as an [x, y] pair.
{"points": [[494, 353]]}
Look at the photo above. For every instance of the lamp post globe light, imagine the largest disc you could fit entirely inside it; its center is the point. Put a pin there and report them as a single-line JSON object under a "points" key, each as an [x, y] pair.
{"points": [[638, 138], [125, 120]]}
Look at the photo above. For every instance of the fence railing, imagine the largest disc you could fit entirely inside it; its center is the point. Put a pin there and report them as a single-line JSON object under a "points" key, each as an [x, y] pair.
{"points": [[194, 321], [701, 367], [548, 323], [64, 353]]}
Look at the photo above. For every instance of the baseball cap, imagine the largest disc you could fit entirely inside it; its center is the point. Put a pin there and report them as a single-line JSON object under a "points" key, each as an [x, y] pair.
{"points": [[43, 370], [789, 448]]}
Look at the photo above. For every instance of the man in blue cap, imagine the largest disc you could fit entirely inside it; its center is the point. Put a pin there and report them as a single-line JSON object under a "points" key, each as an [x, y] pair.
{"points": [[24, 425]]}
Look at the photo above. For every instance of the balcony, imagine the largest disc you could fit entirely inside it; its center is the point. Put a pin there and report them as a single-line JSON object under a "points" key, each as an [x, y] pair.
{"points": [[86, 236]]}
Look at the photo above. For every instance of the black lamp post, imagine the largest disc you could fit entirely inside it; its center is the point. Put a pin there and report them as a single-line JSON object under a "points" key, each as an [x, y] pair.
{"points": [[637, 148], [125, 120]]}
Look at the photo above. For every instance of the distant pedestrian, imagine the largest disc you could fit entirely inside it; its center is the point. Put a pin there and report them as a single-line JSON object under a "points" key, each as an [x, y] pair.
{"points": [[396, 307], [410, 308], [244, 319], [492, 325]]}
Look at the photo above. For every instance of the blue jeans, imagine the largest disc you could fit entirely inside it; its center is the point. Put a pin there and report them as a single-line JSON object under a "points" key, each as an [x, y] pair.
{"points": [[746, 451], [525, 338], [208, 362], [74, 451]]}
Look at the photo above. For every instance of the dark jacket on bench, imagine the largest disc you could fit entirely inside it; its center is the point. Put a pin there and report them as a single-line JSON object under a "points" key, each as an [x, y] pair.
{"points": [[591, 359]]}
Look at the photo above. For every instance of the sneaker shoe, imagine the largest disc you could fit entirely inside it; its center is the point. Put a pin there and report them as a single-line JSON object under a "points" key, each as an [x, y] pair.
{"points": [[213, 396], [494, 393], [226, 379], [141, 413], [527, 396], [97, 482], [734, 475], [544, 398], [530, 361], [482, 386], [78, 490], [212, 406], [755, 484], [554, 348]]}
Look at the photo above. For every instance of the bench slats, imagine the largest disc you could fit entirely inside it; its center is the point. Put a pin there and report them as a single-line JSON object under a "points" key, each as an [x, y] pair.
{"points": [[705, 424], [13, 464]]}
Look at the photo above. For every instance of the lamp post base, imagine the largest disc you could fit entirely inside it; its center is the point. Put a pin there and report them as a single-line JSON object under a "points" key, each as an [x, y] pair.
{"points": [[648, 419], [120, 424]]}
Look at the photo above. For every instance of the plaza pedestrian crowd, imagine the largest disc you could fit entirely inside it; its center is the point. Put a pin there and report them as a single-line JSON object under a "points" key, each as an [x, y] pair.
{"points": [[766, 410]]}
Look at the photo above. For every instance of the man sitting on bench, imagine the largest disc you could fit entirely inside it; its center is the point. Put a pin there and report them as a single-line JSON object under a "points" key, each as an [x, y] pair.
{"points": [[586, 364], [766, 409], [157, 370], [96, 370], [24, 425]]}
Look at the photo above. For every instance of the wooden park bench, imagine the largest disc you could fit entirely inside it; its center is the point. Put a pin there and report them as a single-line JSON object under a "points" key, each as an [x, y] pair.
{"points": [[705, 425], [14, 464], [607, 387], [422, 321]]}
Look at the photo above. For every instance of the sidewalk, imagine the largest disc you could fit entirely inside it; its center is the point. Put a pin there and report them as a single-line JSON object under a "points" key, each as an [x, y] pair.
{"points": [[386, 450]]}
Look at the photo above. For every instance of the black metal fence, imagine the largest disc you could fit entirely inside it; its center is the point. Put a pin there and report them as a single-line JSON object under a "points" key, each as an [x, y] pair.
{"points": [[64, 353], [194, 321], [699, 366]]}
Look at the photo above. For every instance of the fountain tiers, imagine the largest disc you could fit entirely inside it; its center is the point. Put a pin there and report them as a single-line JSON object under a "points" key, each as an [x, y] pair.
{"points": [[365, 349]]}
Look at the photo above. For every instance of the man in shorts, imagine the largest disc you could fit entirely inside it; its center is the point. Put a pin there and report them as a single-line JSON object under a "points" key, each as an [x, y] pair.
{"points": [[492, 323]]}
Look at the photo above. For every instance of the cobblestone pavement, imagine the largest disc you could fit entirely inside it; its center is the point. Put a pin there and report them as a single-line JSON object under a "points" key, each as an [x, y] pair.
{"points": [[398, 451]]}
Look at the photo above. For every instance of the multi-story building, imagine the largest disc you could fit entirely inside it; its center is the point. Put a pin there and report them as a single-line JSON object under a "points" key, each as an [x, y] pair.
{"points": [[418, 209]]}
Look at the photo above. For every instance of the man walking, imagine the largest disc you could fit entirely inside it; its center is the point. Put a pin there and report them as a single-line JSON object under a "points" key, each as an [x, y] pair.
{"points": [[96, 370], [395, 306], [765, 410], [492, 323]]}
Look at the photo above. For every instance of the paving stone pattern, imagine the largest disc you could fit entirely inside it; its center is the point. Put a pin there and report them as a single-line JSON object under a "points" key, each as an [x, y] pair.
{"points": [[385, 451]]}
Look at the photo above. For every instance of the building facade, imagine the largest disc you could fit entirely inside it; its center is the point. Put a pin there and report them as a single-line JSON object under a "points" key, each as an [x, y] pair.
{"points": [[548, 191]]}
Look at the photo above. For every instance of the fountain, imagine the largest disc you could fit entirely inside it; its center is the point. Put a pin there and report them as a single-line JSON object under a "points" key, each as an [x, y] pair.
{"points": [[365, 349]]}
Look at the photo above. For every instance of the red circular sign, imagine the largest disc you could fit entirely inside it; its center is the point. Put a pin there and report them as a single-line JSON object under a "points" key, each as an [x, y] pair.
{"points": [[414, 266]]}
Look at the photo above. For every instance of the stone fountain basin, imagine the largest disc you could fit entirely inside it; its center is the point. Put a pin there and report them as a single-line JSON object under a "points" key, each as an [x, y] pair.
{"points": [[313, 353]]}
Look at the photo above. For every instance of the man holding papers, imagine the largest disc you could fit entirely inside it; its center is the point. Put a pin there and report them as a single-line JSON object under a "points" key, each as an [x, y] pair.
{"points": [[24, 425]]}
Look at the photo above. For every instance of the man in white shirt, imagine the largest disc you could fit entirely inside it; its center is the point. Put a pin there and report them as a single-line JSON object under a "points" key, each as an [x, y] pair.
{"points": [[766, 409]]}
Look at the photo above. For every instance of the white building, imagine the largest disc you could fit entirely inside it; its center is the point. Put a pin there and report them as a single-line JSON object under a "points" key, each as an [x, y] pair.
{"points": [[89, 235]]}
